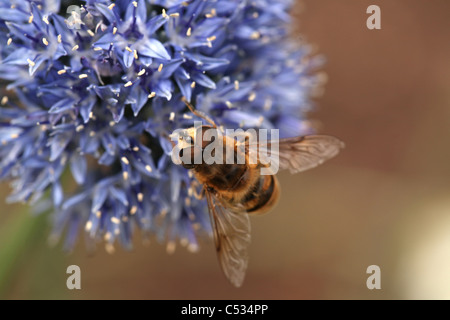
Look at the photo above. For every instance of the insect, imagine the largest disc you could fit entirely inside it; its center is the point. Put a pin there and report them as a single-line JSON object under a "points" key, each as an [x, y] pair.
{"points": [[236, 190]]}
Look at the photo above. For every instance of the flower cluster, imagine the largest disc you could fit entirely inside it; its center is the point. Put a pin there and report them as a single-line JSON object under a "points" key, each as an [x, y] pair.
{"points": [[94, 91]]}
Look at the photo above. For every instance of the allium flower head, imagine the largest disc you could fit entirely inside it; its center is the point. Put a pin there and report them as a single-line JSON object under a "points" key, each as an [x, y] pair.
{"points": [[94, 92]]}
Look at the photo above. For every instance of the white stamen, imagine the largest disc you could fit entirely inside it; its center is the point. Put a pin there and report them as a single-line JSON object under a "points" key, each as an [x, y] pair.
{"points": [[171, 247], [79, 128], [45, 41], [160, 67], [172, 116], [111, 6], [115, 220], [141, 73], [189, 32], [151, 95], [148, 168], [133, 210], [9, 41], [4, 100], [114, 30], [236, 85], [88, 226], [31, 63], [110, 248], [75, 47], [91, 33], [125, 160], [140, 197], [83, 76], [128, 84]]}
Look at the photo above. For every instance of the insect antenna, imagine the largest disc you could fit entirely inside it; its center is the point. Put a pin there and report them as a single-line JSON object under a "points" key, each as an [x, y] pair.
{"points": [[198, 113]]}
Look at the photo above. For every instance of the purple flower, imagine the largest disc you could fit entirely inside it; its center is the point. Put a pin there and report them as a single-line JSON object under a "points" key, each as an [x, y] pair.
{"points": [[94, 92]]}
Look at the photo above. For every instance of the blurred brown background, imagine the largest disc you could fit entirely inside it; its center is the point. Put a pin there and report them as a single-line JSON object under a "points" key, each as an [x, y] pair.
{"points": [[385, 200]]}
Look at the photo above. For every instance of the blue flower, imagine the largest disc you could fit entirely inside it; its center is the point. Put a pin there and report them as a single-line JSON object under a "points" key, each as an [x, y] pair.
{"points": [[94, 91]]}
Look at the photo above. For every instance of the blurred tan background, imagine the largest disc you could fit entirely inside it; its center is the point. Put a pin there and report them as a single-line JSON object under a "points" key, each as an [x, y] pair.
{"points": [[385, 200]]}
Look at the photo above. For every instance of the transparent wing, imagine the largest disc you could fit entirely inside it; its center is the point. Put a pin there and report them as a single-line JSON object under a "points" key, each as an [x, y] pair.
{"points": [[299, 153], [232, 238]]}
